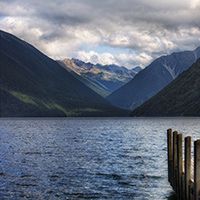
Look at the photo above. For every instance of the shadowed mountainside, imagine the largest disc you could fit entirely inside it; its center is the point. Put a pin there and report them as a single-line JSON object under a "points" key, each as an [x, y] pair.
{"points": [[152, 79], [32, 84], [180, 98]]}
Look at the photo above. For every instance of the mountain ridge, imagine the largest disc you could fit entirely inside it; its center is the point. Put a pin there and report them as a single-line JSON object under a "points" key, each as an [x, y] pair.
{"points": [[107, 77], [180, 98], [32, 84], [153, 79]]}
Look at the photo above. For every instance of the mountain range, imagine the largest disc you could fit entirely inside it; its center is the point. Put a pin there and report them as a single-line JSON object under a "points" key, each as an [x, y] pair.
{"points": [[153, 79], [180, 98], [105, 78], [32, 84]]}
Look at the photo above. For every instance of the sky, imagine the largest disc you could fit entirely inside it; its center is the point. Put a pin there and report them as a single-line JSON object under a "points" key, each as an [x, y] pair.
{"points": [[123, 32]]}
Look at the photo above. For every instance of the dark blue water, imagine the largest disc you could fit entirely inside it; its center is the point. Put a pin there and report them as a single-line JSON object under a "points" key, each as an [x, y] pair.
{"points": [[87, 158]]}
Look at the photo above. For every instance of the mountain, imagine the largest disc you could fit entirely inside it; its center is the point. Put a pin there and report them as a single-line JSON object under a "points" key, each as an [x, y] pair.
{"points": [[180, 98], [152, 79], [32, 84], [95, 86], [137, 69], [106, 78]]}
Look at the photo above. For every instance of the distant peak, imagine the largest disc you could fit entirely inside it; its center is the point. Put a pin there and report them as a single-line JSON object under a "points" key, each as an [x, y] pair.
{"points": [[136, 69], [197, 49]]}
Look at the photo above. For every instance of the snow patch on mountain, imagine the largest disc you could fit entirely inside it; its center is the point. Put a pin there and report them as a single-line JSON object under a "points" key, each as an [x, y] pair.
{"points": [[171, 70]]}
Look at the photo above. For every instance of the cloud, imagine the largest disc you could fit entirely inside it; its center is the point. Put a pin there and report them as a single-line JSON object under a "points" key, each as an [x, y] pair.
{"points": [[122, 59], [194, 4], [94, 57], [132, 33]]}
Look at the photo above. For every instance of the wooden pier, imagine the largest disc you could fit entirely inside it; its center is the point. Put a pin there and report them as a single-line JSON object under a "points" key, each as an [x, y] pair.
{"points": [[183, 167]]}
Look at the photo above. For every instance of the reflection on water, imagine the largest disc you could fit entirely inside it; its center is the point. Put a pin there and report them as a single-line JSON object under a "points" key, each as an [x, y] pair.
{"points": [[86, 158]]}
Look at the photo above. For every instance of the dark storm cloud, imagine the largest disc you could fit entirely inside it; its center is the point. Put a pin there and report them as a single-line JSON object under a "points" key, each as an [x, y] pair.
{"points": [[148, 28]]}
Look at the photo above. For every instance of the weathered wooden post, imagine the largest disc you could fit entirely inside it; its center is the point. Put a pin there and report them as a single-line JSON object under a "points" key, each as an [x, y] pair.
{"points": [[197, 170], [179, 165], [191, 190], [183, 185], [187, 163], [175, 160], [184, 182], [170, 154]]}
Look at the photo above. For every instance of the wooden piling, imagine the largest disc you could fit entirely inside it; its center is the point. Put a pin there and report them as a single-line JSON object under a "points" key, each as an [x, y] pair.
{"points": [[187, 164], [183, 186], [170, 154], [191, 190], [174, 178], [184, 182], [197, 170], [179, 166]]}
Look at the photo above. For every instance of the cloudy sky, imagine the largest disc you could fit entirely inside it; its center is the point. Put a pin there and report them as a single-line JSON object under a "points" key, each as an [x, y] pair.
{"points": [[124, 32]]}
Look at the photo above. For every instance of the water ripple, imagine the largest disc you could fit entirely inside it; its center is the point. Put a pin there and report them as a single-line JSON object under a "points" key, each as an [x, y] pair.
{"points": [[87, 158]]}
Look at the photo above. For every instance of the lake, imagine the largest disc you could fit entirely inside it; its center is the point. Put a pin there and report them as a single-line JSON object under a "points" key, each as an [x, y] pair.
{"points": [[86, 158]]}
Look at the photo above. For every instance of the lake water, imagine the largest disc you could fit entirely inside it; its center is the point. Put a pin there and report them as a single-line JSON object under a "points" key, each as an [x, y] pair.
{"points": [[85, 158]]}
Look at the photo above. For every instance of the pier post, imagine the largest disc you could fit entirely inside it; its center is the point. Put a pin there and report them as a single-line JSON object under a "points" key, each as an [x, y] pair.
{"points": [[179, 165], [183, 185], [175, 161], [191, 190], [184, 182], [197, 170], [187, 163], [170, 154]]}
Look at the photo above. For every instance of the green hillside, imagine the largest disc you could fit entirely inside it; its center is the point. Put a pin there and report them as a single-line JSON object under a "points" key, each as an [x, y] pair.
{"points": [[32, 84]]}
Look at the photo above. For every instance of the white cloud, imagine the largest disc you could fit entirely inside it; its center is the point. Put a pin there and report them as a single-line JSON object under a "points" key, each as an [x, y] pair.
{"points": [[144, 28], [94, 57], [194, 3], [122, 59]]}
